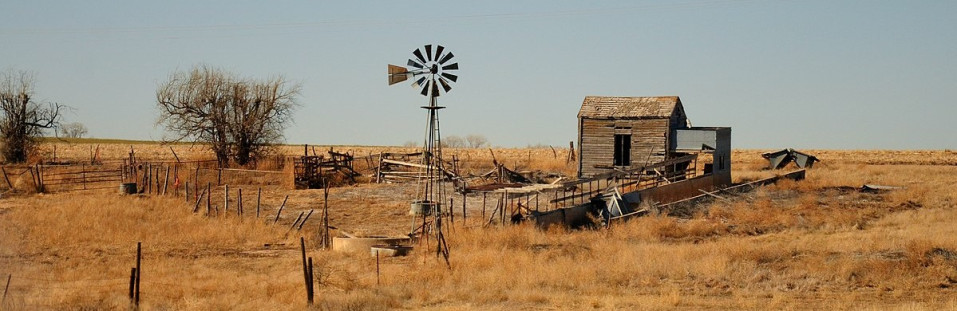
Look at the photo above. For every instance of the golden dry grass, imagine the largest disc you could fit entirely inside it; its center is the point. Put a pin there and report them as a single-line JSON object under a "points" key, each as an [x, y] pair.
{"points": [[809, 245]]}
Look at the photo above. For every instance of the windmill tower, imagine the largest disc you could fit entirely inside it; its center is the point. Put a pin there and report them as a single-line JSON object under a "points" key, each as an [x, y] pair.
{"points": [[431, 74]]}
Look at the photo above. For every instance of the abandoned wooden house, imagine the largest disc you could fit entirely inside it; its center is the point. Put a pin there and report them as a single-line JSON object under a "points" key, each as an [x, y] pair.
{"points": [[622, 133]]}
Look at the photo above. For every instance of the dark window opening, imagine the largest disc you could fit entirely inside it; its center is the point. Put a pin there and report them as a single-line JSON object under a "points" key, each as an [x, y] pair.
{"points": [[622, 149]]}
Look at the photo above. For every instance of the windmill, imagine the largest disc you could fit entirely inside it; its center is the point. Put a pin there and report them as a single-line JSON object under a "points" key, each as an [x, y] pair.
{"points": [[431, 74]]}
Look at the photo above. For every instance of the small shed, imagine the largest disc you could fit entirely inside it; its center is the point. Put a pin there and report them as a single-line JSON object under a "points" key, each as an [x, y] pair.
{"points": [[627, 132]]}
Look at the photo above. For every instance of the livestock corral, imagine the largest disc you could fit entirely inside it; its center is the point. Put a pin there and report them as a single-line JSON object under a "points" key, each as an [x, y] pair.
{"points": [[862, 229]]}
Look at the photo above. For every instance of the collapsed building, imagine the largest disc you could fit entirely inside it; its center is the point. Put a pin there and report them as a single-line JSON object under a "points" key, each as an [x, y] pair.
{"points": [[624, 133], [636, 152]]}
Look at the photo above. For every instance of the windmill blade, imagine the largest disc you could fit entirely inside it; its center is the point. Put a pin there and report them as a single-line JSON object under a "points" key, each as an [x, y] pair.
{"points": [[454, 66], [428, 52], [419, 82], [425, 90], [446, 58], [450, 76], [415, 64], [438, 51], [418, 54], [435, 88], [445, 85]]}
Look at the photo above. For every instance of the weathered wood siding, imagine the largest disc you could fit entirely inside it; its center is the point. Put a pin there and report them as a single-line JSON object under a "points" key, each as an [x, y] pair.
{"points": [[649, 142], [597, 145]]}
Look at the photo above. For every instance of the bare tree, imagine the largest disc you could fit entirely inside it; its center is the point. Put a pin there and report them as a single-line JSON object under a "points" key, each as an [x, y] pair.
{"points": [[74, 130], [453, 142], [476, 141], [239, 118], [22, 118]]}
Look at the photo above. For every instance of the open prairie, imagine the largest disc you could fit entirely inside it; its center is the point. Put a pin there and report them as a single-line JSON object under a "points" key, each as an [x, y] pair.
{"points": [[820, 243]]}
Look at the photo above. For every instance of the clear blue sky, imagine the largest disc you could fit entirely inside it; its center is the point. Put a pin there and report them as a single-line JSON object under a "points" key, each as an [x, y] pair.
{"points": [[804, 74]]}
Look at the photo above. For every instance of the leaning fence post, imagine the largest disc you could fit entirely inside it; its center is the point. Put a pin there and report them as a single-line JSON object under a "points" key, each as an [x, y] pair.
{"points": [[166, 181], [5, 289], [258, 196], [6, 178], [280, 209], [304, 220]]}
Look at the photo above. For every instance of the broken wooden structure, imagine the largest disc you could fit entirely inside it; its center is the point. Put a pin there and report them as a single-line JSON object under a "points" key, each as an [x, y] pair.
{"points": [[401, 167], [779, 159], [314, 171]]}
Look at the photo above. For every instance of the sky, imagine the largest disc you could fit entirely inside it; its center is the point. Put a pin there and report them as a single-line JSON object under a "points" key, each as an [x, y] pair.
{"points": [[815, 74]]}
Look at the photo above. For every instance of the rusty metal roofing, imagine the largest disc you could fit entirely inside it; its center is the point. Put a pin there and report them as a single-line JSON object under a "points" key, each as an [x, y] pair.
{"points": [[629, 107]]}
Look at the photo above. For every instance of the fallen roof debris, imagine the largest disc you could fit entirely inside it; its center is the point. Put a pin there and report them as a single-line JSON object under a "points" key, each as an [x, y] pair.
{"points": [[779, 159]]}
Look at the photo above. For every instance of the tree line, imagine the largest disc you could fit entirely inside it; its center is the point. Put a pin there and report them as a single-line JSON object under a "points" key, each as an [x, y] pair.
{"points": [[240, 118]]}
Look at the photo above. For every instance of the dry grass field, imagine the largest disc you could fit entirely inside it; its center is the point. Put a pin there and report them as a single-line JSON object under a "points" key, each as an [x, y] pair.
{"points": [[809, 245]]}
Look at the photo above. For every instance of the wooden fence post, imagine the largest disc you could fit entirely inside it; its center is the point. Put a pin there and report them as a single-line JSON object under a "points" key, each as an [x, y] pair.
{"points": [[305, 270], [483, 204], [312, 284], [196, 179], [209, 196], [304, 220], [5, 289], [166, 181], [226, 200], [280, 209], [296, 222], [139, 273], [6, 178], [325, 216], [148, 174], [239, 204], [132, 282], [198, 200], [258, 196], [451, 212]]}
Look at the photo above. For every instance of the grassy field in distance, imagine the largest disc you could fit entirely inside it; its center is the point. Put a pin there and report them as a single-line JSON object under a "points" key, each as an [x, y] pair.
{"points": [[808, 245]]}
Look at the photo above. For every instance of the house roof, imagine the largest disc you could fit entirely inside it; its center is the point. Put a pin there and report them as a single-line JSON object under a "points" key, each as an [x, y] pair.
{"points": [[629, 107]]}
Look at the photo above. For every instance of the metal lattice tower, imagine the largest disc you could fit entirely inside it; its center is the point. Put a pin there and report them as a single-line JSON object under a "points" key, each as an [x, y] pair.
{"points": [[429, 71]]}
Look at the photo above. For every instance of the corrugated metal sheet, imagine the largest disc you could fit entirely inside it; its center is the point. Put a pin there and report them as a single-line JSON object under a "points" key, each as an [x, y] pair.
{"points": [[629, 107]]}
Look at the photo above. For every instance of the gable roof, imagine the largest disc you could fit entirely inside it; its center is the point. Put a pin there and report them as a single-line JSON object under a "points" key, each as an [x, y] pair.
{"points": [[629, 107]]}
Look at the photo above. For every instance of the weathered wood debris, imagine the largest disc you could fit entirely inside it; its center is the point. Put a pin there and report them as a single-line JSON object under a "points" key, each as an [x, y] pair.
{"points": [[315, 171]]}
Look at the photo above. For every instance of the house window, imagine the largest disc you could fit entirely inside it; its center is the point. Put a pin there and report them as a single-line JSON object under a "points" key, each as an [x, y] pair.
{"points": [[622, 149]]}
